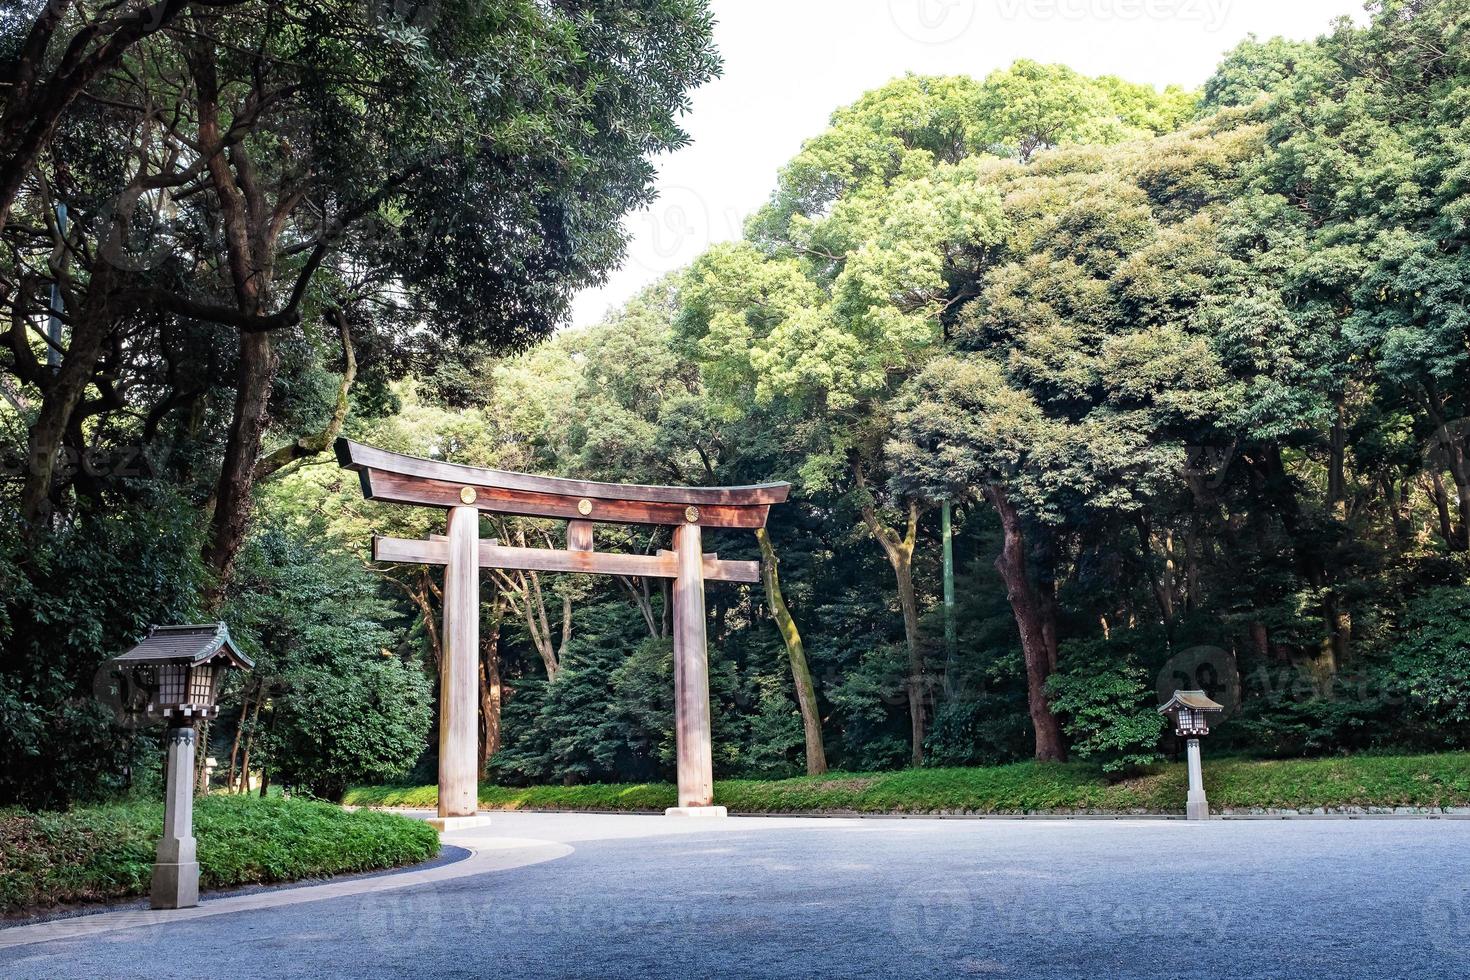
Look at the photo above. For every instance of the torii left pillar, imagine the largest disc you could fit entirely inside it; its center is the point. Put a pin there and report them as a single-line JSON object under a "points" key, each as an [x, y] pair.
{"points": [[691, 681], [459, 777]]}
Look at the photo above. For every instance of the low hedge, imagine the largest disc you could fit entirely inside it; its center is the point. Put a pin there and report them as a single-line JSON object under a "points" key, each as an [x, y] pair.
{"points": [[99, 853], [1297, 784]]}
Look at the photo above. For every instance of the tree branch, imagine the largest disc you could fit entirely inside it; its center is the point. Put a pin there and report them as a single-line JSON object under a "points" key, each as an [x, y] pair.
{"points": [[316, 443]]}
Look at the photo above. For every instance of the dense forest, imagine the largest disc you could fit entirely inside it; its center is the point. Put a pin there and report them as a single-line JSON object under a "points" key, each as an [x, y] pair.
{"points": [[1178, 380]]}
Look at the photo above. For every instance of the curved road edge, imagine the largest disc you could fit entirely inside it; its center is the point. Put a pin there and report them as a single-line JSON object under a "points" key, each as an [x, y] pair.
{"points": [[487, 854]]}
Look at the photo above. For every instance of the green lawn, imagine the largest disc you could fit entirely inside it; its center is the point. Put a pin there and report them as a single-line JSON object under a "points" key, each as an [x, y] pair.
{"points": [[106, 852], [1361, 781]]}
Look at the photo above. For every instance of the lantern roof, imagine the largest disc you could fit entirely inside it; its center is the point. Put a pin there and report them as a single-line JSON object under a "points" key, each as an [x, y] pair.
{"points": [[1197, 700], [186, 644]]}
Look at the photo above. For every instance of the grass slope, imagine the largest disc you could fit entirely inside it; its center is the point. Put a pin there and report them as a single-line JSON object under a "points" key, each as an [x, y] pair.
{"points": [[1358, 781], [106, 852]]}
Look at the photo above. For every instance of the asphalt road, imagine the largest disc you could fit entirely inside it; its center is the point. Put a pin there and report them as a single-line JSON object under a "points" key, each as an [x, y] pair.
{"points": [[641, 897]]}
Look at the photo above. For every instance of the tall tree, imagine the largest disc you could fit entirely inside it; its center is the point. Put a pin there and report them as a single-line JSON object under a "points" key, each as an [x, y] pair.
{"points": [[435, 176]]}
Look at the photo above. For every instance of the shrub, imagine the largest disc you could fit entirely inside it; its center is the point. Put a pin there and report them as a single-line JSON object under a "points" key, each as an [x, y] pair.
{"points": [[982, 730], [106, 852], [1431, 661], [1106, 705], [609, 715], [334, 729], [342, 708]]}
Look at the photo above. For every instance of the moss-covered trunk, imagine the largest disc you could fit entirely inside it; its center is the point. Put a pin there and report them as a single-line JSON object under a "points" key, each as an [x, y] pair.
{"points": [[801, 675]]}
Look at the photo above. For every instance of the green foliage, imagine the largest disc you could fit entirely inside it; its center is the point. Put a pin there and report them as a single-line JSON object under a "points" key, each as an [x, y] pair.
{"points": [[984, 730], [775, 739], [917, 121], [1292, 715], [1431, 661], [867, 700], [1108, 708], [69, 601], [330, 730], [1254, 68], [961, 426], [1211, 349], [447, 179], [1031, 107], [344, 707], [1144, 318], [610, 713], [105, 853]]}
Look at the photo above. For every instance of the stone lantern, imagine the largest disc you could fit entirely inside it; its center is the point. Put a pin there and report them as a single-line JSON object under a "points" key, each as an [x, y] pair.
{"points": [[1190, 711], [179, 670]]}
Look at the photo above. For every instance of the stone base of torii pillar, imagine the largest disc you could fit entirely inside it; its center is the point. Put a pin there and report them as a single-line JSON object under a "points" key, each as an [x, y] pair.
{"points": [[452, 824]]}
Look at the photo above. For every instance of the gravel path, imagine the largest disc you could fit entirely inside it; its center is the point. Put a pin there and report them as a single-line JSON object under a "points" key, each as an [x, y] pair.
{"points": [[653, 897]]}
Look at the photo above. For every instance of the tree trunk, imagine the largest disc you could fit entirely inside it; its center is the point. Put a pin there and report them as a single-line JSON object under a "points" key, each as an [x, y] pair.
{"points": [[1337, 463], [249, 743], [235, 746], [1028, 609], [1313, 566], [237, 473], [201, 761], [900, 552], [1260, 639], [249, 238], [908, 600], [1451, 445], [638, 589], [1396, 496], [665, 618], [35, 105], [524, 594], [801, 675], [1160, 574], [420, 598], [946, 533], [1442, 508], [490, 689], [90, 330]]}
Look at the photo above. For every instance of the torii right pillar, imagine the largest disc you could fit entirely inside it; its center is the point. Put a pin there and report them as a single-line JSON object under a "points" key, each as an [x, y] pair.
{"points": [[691, 681]]}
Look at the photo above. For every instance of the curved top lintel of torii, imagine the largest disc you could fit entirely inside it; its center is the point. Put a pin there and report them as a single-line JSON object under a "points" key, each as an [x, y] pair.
{"points": [[399, 478]]}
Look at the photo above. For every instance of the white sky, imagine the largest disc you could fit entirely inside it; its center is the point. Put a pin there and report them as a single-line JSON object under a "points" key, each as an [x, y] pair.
{"points": [[790, 63]]}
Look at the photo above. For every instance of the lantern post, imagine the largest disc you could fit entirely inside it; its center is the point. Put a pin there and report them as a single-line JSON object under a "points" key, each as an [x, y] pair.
{"points": [[180, 669], [1190, 711]]}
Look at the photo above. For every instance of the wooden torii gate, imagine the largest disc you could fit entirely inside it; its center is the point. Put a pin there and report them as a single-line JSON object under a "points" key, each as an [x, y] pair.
{"points": [[465, 491]]}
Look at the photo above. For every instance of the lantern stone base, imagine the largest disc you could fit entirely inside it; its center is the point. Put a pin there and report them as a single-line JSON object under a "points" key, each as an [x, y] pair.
{"points": [[1196, 806], [696, 811], [451, 824], [175, 886]]}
